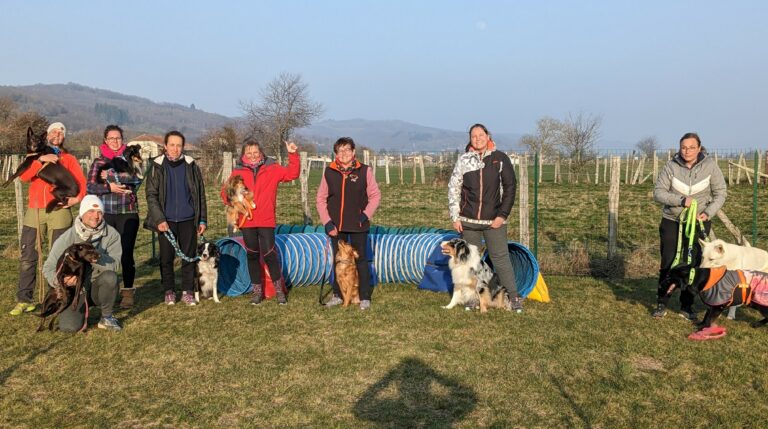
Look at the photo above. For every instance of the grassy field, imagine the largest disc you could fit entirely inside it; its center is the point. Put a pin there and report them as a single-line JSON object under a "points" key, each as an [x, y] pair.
{"points": [[591, 358]]}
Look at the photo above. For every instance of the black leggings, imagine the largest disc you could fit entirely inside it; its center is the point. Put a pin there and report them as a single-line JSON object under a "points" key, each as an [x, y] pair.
{"points": [[127, 225], [186, 237], [260, 243], [358, 240], [668, 231]]}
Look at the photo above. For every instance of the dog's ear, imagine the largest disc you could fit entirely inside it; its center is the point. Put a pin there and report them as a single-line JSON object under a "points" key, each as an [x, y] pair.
{"points": [[720, 249], [702, 243], [30, 134], [462, 250]]}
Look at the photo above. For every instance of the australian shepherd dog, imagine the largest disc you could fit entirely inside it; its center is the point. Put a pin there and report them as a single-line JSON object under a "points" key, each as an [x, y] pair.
{"points": [[241, 203], [474, 283], [346, 273], [208, 270]]}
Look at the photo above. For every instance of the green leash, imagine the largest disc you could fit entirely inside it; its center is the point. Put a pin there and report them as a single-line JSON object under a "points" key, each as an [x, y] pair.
{"points": [[687, 226]]}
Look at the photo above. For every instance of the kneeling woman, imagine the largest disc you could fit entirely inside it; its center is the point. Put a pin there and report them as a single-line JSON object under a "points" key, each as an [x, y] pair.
{"points": [[261, 176]]}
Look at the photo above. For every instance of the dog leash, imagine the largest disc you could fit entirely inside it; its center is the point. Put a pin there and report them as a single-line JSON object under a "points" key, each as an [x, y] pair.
{"points": [[172, 239], [687, 227], [322, 297]]}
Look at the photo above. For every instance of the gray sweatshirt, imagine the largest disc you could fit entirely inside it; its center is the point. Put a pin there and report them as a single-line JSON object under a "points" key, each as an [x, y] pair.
{"points": [[704, 182], [108, 245]]}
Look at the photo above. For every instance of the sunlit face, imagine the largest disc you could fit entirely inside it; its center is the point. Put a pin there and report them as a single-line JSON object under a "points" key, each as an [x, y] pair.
{"points": [[345, 154], [689, 150], [114, 140], [478, 139], [252, 154], [56, 137], [92, 218], [174, 146]]}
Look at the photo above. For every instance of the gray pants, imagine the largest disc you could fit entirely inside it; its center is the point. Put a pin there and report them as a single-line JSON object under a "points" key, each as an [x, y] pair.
{"points": [[101, 291], [496, 243]]}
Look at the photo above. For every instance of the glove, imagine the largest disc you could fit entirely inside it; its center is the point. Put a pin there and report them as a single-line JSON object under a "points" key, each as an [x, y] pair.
{"points": [[329, 227]]}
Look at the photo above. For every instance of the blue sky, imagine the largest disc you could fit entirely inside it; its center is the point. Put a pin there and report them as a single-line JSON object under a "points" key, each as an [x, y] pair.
{"points": [[651, 68]]}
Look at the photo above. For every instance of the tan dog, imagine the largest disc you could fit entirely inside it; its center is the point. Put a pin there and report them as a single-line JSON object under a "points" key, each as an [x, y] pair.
{"points": [[241, 203], [346, 273]]}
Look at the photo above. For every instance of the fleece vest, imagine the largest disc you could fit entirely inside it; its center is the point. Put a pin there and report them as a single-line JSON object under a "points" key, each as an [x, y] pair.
{"points": [[348, 197]]}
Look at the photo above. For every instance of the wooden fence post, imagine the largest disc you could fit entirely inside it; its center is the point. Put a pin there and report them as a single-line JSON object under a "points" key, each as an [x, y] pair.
{"points": [[304, 180], [95, 152], [421, 166], [557, 170], [401, 168], [597, 171], [226, 166], [655, 167], [19, 191], [386, 169], [523, 199], [613, 208]]}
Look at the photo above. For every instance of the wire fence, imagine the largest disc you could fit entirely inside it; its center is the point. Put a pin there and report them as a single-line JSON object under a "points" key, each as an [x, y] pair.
{"points": [[568, 231]]}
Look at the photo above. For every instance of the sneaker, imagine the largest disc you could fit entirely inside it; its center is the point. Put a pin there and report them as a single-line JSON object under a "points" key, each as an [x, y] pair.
{"points": [[23, 307], [110, 323], [365, 304], [516, 304], [660, 311], [188, 298], [334, 301], [689, 313], [170, 297]]}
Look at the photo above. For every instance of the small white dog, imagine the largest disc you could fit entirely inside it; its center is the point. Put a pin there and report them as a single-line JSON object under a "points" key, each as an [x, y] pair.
{"points": [[718, 253], [208, 271]]}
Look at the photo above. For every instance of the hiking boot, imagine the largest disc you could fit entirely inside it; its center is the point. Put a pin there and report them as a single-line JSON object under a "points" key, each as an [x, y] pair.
{"points": [[365, 304], [23, 307], [660, 311], [126, 298], [280, 293], [257, 294], [516, 305], [110, 324], [689, 313], [170, 297], [334, 301], [188, 298]]}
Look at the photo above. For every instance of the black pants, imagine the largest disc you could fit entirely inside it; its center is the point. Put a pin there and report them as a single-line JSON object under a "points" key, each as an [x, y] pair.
{"points": [[127, 225], [359, 241], [668, 231], [260, 243], [186, 237]]}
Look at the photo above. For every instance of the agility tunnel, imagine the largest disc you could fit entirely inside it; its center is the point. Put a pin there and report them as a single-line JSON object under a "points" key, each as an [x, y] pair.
{"points": [[413, 258]]}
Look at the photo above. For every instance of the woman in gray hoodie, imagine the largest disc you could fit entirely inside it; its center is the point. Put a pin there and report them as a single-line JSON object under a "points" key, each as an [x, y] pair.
{"points": [[690, 175]]}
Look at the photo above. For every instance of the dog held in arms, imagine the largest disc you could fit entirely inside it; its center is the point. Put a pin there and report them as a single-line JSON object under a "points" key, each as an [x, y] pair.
{"points": [[64, 184], [207, 271], [718, 253], [71, 263], [241, 203], [474, 283], [719, 289], [346, 273], [130, 163]]}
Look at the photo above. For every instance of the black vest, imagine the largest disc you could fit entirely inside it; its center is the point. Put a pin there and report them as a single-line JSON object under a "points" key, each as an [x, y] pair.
{"points": [[347, 197]]}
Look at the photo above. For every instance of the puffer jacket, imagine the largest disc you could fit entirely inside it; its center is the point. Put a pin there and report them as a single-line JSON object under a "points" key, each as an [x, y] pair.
{"points": [[481, 189], [155, 189], [704, 182]]}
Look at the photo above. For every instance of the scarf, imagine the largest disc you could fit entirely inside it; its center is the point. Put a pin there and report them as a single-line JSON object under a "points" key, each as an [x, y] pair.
{"points": [[108, 153], [346, 169], [251, 165], [88, 234]]}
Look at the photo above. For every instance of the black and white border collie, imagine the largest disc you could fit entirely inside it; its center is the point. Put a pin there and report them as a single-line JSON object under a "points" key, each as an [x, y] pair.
{"points": [[208, 270]]}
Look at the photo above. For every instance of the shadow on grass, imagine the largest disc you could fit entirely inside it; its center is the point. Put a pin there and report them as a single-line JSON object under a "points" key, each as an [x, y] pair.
{"points": [[413, 395], [150, 293], [7, 372]]}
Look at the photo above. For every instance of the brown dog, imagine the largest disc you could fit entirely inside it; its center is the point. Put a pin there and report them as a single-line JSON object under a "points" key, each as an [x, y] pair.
{"points": [[241, 203], [346, 273], [71, 263]]}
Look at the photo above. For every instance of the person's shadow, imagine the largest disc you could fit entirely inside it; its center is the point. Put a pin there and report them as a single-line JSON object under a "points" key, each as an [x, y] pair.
{"points": [[413, 395]]}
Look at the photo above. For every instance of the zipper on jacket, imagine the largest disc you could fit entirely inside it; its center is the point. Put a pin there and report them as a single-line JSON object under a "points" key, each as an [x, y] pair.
{"points": [[480, 206], [341, 209]]}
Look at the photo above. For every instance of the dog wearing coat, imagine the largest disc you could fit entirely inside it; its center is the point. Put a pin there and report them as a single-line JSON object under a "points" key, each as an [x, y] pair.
{"points": [[474, 283], [718, 253]]}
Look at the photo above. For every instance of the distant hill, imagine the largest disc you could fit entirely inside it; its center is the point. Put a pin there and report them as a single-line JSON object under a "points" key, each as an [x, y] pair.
{"points": [[83, 108], [395, 135]]}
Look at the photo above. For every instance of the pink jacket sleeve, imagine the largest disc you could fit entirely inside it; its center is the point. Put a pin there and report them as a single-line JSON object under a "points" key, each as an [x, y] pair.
{"points": [[321, 201], [374, 194]]}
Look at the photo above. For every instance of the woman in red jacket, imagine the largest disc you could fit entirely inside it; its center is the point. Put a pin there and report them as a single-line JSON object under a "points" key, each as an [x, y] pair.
{"points": [[261, 176]]}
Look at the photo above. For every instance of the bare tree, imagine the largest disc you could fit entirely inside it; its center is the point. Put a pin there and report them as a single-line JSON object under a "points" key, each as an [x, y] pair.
{"points": [[14, 124], [216, 141], [284, 106], [577, 139], [546, 137], [648, 146]]}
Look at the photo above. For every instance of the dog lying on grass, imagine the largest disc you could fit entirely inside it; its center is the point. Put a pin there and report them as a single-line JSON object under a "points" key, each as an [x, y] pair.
{"points": [[719, 289], [474, 283], [346, 273], [71, 263], [65, 185]]}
